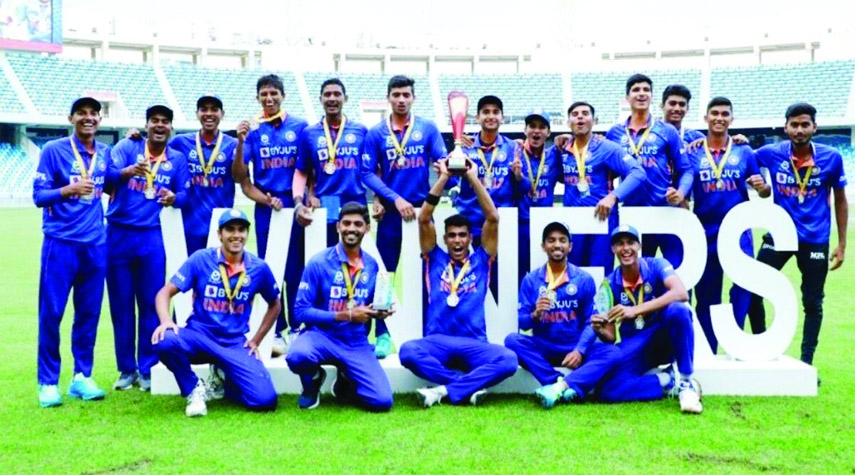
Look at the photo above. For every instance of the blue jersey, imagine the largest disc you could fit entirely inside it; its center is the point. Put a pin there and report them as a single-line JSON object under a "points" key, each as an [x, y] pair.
{"points": [[219, 192], [272, 150], [568, 321], [604, 161], [653, 272], [711, 202], [688, 136], [813, 217], [409, 180], [504, 186], [542, 194], [211, 312], [323, 292], [663, 157], [72, 218], [128, 205], [345, 183], [467, 318]]}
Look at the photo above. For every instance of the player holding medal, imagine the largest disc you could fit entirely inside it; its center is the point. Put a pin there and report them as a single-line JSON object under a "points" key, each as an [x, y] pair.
{"points": [[454, 352], [559, 315], [655, 328], [136, 264]]}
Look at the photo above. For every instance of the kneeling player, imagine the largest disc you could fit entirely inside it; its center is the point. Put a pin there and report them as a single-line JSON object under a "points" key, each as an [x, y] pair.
{"points": [[337, 320], [556, 303], [653, 332], [224, 281], [455, 352]]}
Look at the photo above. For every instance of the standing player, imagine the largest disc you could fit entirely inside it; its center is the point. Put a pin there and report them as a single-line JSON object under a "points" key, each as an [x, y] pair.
{"points": [[454, 352], [143, 178], [805, 174], [590, 165], [395, 165], [209, 155], [556, 303], [675, 106], [537, 177], [68, 185], [723, 172], [335, 305], [657, 146], [224, 281], [655, 328], [271, 148]]}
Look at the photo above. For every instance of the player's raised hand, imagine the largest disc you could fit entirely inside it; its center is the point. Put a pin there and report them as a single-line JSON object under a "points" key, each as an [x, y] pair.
{"points": [[757, 182], [243, 130], [467, 141], [133, 134], [516, 165]]}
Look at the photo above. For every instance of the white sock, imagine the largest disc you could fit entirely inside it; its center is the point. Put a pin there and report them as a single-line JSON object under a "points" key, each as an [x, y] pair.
{"points": [[442, 390]]}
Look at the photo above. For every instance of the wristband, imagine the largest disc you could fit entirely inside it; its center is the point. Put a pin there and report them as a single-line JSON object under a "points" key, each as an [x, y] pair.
{"points": [[432, 199]]}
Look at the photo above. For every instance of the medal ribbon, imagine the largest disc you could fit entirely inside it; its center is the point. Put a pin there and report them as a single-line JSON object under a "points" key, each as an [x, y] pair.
{"points": [[581, 157], [488, 167], [553, 281], [399, 146], [152, 171], [455, 283], [534, 180], [281, 115], [207, 167], [631, 296], [718, 168], [332, 148], [350, 285], [227, 286], [84, 172], [636, 148], [799, 181]]}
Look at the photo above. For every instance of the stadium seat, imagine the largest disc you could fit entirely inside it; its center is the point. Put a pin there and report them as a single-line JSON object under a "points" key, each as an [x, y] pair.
{"points": [[520, 93]]}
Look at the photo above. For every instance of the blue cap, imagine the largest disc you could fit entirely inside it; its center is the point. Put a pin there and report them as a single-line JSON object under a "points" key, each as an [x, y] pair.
{"points": [[209, 98], [538, 113], [625, 229], [233, 214]]}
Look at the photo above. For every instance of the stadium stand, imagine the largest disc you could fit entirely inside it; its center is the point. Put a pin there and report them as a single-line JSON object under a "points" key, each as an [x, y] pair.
{"points": [[520, 93], [9, 101], [16, 171], [604, 90], [765, 91], [68, 79], [368, 87], [236, 88], [848, 152]]}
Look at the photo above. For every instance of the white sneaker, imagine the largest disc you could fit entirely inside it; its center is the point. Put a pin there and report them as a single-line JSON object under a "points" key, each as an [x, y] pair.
{"points": [[280, 347], [690, 396], [196, 401], [477, 397], [214, 384], [429, 396]]}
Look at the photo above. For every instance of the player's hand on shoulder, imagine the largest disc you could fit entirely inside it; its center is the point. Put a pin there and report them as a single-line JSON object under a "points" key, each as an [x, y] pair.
{"points": [[694, 145], [134, 134], [467, 141]]}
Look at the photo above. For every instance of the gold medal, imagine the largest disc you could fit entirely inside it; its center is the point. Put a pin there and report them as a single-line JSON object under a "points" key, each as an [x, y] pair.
{"points": [[401, 160], [151, 173], [552, 296], [718, 168], [488, 180], [208, 166], [400, 146], [540, 167], [488, 166], [149, 193], [452, 300], [802, 181], [719, 184], [801, 198], [231, 294], [639, 323], [350, 284], [329, 168], [204, 181], [351, 304], [582, 186]]}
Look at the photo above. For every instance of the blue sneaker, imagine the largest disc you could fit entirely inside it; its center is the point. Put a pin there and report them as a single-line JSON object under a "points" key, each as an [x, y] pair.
{"points": [[145, 383], [550, 394], [569, 395], [49, 395], [126, 381], [311, 397], [85, 388], [383, 346]]}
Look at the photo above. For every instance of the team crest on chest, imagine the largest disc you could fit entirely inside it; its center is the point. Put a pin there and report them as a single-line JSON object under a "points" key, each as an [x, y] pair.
{"points": [[417, 135], [103, 166], [648, 289], [246, 279], [815, 171], [501, 156], [350, 138], [290, 136], [221, 157], [364, 278], [571, 289], [166, 166], [733, 160]]}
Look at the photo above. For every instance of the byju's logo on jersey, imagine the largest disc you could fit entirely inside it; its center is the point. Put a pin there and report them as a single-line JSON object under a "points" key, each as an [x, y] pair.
{"points": [[389, 142], [541, 290], [265, 139], [339, 278], [322, 141], [335, 292], [290, 136], [624, 299]]}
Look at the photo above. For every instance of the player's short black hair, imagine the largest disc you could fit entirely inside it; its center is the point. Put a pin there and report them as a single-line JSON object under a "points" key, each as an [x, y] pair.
{"points": [[458, 220], [677, 90], [553, 227], [801, 108], [720, 101], [490, 101], [400, 81], [352, 207], [637, 78], [580, 104], [270, 80], [333, 81]]}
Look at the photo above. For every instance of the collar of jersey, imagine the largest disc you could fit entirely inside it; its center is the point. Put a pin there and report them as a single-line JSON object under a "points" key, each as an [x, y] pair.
{"points": [[230, 269], [650, 124], [342, 257], [642, 269]]}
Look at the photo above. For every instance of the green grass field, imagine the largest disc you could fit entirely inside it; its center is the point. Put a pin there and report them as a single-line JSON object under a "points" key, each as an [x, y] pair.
{"points": [[136, 432]]}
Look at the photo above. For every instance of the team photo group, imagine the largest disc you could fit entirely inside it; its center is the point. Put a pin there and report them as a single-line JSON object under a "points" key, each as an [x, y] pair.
{"points": [[629, 338]]}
